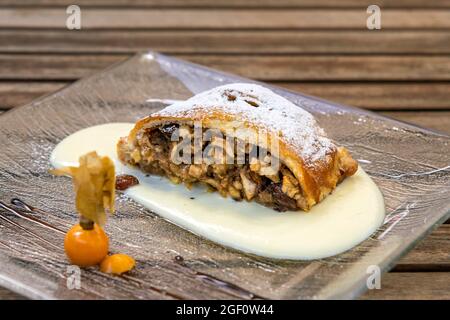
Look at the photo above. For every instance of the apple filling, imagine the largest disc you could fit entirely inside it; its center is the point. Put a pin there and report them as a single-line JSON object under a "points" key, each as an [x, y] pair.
{"points": [[252, 180]]}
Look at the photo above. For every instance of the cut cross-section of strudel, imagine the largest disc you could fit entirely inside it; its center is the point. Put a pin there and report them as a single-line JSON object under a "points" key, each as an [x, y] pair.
{"points": [[244, 141]]}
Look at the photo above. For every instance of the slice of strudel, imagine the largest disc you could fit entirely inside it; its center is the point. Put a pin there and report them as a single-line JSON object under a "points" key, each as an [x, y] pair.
{"points": [[244, 141]]}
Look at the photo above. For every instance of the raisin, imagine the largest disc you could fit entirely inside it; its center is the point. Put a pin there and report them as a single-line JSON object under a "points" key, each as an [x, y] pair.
{"points": [[282, 202], [124, 181]]}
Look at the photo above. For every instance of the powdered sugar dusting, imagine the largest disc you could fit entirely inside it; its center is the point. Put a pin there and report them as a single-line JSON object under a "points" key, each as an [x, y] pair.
{"points": [[262, 107]]}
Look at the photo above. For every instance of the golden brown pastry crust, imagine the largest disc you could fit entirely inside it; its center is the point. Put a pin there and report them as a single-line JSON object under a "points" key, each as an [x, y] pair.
{"points": [[318, 165]]}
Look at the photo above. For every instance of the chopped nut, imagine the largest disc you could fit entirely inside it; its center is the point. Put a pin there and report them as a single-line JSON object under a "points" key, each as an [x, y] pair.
{"points": [[195, 171], [220, 169], [255, 166], [264, 168], [289, 188], [213, 183], [248, 186], [174, 179], [268, 171], [286, 172], [136, 155], [237, 185], [235, 194]]}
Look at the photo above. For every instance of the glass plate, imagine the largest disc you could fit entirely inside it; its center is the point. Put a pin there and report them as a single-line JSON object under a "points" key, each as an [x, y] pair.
{"points": [[410, 165]]}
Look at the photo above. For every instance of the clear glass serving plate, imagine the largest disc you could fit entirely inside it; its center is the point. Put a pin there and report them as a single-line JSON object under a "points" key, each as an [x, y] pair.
{"points": [[411, 166]]}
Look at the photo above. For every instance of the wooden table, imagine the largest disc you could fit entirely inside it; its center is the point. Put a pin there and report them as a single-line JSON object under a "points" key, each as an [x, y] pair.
{"points": [[319, 47]]}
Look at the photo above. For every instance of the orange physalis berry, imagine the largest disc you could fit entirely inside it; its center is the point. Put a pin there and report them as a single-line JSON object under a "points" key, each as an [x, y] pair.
{"points": [[86, 247], [117, 264]]}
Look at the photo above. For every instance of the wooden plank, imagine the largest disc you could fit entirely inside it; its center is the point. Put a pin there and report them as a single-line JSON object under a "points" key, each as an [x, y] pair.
{"points": [[439, 120], [51, 67], [232, 3], [431, 254], [412, 285], [394, 285], [333, 67], [125, 18], [13, 94], [265, 68], [375, 96], [242, 42], [379, 96], [6, 294]]}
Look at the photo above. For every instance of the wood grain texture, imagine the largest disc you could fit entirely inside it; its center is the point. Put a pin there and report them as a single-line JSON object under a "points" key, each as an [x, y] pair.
{"points": [[437, 120], [125, 18], [412, 263], [394, 285], [374, 96], [319, 47], [6, 294], [262, 67], [334, 67], [270, 4], [220, 42], [14, 94], [53, 67], [431, 254], [379, 96], [412, 285]]}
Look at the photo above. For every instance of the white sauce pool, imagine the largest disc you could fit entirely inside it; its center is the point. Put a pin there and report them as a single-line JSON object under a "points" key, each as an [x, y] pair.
{"points": [[344, 219]]}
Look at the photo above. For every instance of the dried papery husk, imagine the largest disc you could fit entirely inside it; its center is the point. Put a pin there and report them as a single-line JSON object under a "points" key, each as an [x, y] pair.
{"points": [[94, 184]]}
